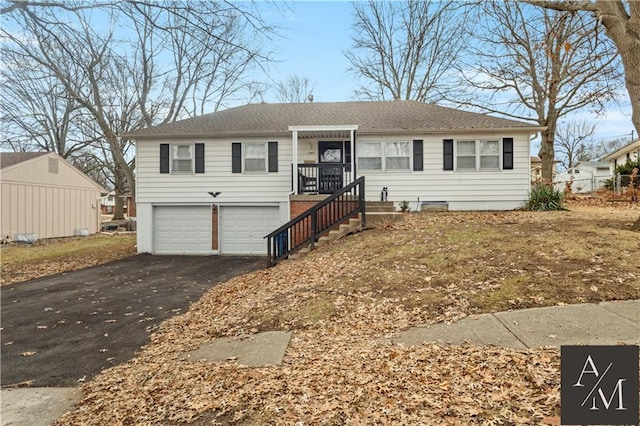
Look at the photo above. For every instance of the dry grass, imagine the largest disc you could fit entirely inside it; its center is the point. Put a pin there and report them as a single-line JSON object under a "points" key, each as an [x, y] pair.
{"points": [[341, 299], [22, 262]]}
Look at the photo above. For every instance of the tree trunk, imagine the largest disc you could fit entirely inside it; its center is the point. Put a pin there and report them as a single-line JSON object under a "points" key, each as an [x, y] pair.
{"points": [[625, 33], [118, 209], [547, 153]]}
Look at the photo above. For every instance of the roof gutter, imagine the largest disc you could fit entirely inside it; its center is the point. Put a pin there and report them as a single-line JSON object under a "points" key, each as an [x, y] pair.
{"points": [[531, 129]]}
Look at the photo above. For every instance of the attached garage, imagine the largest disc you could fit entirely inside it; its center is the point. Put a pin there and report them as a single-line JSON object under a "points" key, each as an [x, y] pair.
{"points": [[242, 228], [182, 230]]}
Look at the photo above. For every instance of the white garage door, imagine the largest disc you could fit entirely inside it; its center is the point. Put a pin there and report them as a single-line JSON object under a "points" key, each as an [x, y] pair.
{"points": [[242, 229], [182, 230]]}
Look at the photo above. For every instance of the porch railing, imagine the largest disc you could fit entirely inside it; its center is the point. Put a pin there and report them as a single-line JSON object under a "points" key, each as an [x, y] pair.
{"points": [[323, 178], [307, 228]]}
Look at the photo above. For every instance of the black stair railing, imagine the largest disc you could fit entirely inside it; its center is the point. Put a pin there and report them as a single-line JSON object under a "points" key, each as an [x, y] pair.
{"points": [[307, 228]]}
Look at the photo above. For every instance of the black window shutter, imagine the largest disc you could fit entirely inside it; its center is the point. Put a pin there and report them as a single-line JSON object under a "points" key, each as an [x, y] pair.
{"points": [[418, 163], [236, 157], [273, 156], [507, 153], [164, 158], [199, 158], [447, 146]]}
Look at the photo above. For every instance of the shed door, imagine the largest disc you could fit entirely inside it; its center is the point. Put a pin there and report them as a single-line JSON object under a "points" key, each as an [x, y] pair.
{"points": [[242, 229], [182, 230]]}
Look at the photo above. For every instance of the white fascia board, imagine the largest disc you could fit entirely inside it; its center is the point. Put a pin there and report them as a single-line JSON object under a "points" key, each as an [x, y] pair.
{"points": [[323, 127]]}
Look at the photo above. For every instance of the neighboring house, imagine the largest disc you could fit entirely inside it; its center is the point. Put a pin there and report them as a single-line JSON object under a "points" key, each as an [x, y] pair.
{"points": [[536, 169], [108, 203], [585, 176], [629, 152], [217, 184], [44, 195]]}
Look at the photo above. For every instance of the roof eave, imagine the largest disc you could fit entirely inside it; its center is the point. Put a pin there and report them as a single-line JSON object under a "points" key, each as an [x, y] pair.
{"points": [[622, 150], [183, 136]]}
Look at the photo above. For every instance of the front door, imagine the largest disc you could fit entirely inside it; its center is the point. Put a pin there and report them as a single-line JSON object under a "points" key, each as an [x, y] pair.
{"points": [[331, 168]]}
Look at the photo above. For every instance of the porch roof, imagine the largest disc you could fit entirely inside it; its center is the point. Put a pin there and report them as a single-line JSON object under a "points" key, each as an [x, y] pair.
{"points": [[324, 131], [388, 117]]}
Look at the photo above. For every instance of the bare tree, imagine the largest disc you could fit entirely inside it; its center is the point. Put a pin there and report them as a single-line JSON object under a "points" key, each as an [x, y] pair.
{"points": [[572, 142], [37, 113], [621, 19], [405, 50], [176, 60], [295, 89], [535, 64]]}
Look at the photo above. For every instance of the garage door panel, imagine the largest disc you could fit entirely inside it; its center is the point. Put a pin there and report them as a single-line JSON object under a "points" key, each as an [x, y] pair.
{"points": [[182, 230], [242, 229]]}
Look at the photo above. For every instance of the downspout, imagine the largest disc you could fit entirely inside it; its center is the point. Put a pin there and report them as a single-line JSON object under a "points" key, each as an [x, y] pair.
{"points": [[353, 156], [295, 160]]}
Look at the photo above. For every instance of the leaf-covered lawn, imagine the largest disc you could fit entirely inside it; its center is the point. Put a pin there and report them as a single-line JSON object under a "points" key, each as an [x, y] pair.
{"points": [[22, 262], [341, 302]]}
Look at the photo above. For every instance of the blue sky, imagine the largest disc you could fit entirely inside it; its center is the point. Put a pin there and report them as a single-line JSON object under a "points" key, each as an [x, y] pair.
{"points": [[314, 35]]}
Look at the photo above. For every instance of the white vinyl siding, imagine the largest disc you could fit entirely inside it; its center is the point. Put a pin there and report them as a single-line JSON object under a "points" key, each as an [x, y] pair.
{"points": [[491, 189], [154, 187]]}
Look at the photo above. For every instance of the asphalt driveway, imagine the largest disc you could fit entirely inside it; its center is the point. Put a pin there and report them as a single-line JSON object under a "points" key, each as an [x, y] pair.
{"points": [[63, 329]]}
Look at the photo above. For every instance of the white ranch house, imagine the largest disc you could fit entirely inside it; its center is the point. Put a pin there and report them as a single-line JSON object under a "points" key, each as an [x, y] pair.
{"points": [[629, 152], [583, 177], [218, 183]]}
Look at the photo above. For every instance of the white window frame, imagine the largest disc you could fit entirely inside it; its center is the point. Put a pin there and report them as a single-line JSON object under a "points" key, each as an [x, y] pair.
{"points": [[172, 149], [264, 146], [383, 157], [478, 155]]}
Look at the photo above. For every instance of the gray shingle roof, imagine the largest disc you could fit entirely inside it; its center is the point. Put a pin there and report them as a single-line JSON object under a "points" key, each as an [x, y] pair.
{"points": [[10, 158], [371, 117]]}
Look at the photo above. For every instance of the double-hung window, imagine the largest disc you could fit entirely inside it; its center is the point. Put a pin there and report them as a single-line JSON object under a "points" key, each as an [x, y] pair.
{"points": [[466, 155], [181, 158], [397, 155], [477, 155], [489, 154], [255, 157], [384, 156], [370, 156]]}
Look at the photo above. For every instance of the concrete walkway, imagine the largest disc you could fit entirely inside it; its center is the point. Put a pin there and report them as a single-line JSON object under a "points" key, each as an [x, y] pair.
{"points": [[606, 323]]}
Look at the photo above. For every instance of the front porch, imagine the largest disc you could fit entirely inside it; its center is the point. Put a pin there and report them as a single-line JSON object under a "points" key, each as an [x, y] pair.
{"points": [[323, 158]]}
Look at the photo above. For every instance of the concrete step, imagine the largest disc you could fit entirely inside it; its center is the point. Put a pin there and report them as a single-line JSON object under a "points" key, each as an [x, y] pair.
{"points": [[382, 219], [380, 206], [346, 228], [380, 209]]}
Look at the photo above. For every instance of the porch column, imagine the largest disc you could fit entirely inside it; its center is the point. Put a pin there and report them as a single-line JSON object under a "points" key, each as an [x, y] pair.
{"points": [[353, 155], [294, 175]]}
